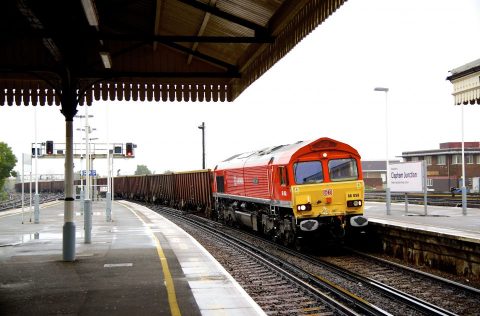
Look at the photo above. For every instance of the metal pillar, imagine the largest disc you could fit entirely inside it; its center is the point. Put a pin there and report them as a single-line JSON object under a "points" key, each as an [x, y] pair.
{"points": [[464, 188], [108, 210], [387, 188], [82, 200], [202, 127], [87, 209], [36, 208], [69, 109], [69, 225]]}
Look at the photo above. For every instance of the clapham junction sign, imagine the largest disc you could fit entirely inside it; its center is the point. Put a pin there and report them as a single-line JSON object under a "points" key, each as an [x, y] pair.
{"points": [[407, 177]]}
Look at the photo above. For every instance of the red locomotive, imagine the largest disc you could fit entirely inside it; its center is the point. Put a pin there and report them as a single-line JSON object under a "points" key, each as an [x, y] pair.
{"points": [[292, 192]]}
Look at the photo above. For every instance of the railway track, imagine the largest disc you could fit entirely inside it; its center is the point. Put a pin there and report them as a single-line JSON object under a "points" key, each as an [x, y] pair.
{"points": [[382, 293], [17, 201], [277, 286], [451, 295]]}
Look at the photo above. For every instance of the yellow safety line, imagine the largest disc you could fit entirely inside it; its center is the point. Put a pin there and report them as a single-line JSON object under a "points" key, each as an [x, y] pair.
{"points": [[172, 297]]}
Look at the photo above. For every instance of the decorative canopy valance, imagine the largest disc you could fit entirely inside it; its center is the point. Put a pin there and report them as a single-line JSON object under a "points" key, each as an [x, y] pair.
{"points": [[176, 50], [466, 83]]}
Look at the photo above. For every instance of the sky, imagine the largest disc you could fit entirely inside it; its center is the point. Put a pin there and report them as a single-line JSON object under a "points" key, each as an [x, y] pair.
{"points": [[323, 88]]}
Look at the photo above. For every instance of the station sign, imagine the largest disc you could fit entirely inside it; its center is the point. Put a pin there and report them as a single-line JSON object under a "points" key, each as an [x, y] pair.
{"points": [[406, 177], [93, 173]]}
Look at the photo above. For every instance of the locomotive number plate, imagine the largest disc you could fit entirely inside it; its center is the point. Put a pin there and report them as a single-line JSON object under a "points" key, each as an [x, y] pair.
{"points": [[327, 192], [353, 196]]}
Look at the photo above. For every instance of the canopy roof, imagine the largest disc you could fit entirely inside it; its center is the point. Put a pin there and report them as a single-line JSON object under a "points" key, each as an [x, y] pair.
{"points": [[198, 50], [466, 83]]}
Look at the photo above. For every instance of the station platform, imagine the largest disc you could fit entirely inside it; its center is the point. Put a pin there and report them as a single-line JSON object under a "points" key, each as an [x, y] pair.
{"points": [[437, 219], [138, 264]]}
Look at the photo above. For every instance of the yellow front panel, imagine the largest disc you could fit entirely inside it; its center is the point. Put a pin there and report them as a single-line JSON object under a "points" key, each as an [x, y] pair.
{"points": [[328, 199]]}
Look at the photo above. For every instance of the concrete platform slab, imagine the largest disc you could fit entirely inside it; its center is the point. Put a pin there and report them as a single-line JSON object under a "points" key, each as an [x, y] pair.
{"points": [[138, 264]]}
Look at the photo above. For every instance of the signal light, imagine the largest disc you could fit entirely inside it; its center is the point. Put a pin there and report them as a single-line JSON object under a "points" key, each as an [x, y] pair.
{"points": [[129, 149], [49, 148], [33, 151]]}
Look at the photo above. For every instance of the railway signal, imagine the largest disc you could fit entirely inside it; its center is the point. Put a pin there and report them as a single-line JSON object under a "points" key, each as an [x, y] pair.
{"points": [[49, 147], [129, 149]]}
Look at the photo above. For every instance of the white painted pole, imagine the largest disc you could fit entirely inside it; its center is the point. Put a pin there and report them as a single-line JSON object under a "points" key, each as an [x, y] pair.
{"points": [[30, 195], [464, 189], [87, 210], [37, 197], [23, 183], [425, 186], [69, 215], [387, 173]]}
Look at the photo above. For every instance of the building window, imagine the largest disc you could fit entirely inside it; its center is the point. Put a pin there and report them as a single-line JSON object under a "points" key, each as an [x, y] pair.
{"points": [[414, 159], [429, 182], [428, 159], [456, 159], [478, 160], [441, 160], [469, 159]]}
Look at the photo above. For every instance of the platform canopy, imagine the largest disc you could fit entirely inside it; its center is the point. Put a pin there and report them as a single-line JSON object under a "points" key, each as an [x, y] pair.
{"points": [[154, 50], [466, 83]]}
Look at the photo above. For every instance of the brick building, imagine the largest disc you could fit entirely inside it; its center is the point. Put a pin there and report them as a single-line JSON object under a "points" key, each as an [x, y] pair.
{"points": [[444, 165]]}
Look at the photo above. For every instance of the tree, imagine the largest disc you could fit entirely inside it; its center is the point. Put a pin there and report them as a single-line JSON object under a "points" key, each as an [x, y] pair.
{"points": [[141, 170], [7, 163]]}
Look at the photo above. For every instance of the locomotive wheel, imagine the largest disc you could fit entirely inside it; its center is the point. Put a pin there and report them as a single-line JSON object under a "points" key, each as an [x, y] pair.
{"points": [[288, 239], [337, 232], [298, 244], [229, 221]]}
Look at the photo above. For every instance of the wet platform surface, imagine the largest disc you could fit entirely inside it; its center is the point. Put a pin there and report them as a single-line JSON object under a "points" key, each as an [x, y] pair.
{"points": [[443, 220], [138, 264]]}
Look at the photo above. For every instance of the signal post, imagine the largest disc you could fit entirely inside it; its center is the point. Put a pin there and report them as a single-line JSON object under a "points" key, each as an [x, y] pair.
{"points": [[52, 150]]}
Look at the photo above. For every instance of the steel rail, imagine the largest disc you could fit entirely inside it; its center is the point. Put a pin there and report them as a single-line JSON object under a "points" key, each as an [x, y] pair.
{"points": [[312, 283]]}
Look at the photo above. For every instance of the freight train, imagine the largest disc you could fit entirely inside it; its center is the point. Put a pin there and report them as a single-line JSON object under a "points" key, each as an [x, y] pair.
{"points": [[306, 191]]}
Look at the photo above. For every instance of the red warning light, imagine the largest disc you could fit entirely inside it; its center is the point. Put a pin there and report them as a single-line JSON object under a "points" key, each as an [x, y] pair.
{"points": [[129, 149]]}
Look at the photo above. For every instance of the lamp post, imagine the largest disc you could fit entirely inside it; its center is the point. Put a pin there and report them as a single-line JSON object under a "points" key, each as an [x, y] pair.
{"points": [[36, 197], [387, 188], [202, 127], [464, 188]]}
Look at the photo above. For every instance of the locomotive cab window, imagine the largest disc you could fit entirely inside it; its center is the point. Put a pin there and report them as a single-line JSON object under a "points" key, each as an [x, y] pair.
{"points": [[282, 173], [308, 172], [343, 169], [220, 184]]}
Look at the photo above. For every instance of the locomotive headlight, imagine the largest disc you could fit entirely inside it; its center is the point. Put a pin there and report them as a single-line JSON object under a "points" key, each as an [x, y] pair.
{"points": [[304, 207], [354, 203]]}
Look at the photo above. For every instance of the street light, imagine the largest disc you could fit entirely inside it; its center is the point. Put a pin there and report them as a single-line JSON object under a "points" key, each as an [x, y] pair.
{"points": [[36, 197], [464, 188], [387, 188], [202, 127]]}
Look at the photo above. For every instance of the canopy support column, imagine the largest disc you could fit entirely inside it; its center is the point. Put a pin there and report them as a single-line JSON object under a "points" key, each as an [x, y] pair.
{"points": [[69, 109]]}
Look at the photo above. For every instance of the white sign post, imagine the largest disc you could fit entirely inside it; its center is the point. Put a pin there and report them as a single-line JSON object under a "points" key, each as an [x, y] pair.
{"points": [[26, 160], [409, 177]]}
